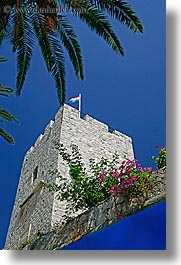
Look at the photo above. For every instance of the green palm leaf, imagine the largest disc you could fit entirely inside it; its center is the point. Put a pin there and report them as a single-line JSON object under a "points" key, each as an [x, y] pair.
{"points": [[2, 60], [7, 116], [58, 67], [5, 91], [41, 33], [6, 136], [23, 44], [4, 114], [69, 39], [52, 53], [6, 30], [97, 21], [22, 27], [121, 11]]}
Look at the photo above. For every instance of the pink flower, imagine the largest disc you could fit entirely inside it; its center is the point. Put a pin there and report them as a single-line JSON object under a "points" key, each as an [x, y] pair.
{"points": [[149, 168], [101, 178], [131, 184], [113, 190], [101, 174], [129, 171], [115, 173], [138, 165], [156, 146], [134, 178]]}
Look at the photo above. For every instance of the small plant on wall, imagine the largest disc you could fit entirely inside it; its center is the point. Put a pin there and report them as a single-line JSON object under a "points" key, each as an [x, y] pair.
{"points": [[160, 159]]}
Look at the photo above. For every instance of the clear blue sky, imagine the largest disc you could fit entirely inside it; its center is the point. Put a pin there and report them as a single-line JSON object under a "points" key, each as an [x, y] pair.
{"points": [[126, 93]]}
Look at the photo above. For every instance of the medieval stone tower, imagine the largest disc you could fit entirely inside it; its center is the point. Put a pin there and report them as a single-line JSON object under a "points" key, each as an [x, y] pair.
{"points": [[37, 209]]}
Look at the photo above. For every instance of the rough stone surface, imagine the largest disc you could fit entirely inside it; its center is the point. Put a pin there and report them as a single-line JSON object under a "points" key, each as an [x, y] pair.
{"points": [[36, 209], [96, 218]]}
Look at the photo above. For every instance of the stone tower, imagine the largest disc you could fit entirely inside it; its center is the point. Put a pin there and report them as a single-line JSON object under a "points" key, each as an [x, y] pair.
{"points": [[37, 209]]}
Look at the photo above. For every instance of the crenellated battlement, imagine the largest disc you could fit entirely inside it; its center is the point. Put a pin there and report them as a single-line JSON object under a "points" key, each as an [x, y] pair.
{"points": [[73, 115]]}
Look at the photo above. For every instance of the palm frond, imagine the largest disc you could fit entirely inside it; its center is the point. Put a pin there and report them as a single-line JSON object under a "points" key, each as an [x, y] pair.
{"points": [[41, 33], [2, 60], [6, 89], [52, 53], [23, 44], [69, 40], [97, 21], [121, 11], [7, 116], [6, 136], [22, 27], [58, 67], [6, 31], [2, 37]]}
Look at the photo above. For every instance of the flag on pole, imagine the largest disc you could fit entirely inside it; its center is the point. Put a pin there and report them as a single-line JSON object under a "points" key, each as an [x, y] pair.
{"points": [[76, 99]]}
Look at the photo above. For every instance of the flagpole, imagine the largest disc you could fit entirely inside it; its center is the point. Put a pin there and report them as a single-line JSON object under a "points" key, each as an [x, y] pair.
{"points": [[79, 105]]}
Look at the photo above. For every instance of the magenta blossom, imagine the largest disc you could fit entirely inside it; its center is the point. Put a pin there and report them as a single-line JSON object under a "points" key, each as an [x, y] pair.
{"points": [[149, 168], [129, 171], [115, 173], [134, 178], [101, 178], [101, 174]]}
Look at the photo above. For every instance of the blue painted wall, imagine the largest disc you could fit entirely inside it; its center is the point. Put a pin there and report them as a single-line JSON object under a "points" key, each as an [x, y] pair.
{"points": [[145, 230]]}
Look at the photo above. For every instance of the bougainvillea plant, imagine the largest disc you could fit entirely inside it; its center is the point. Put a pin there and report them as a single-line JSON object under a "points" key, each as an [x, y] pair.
{"points": [[160, 160], [104, 179]]}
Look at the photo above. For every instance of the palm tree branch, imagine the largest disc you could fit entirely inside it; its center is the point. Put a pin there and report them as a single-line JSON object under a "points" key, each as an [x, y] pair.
{"points": [[69, 40], [121, 11], [2, 60], [97, 21], [52, 53], [58, 66], [23, 44], [6, 89], [6, 31], [41, 33], [7, 137], [7, 116]]}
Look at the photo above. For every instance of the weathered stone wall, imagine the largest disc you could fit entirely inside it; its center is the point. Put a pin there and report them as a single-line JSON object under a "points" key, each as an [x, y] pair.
{"points": [[160, 182], [44, 156], [96, 218], [37, 209], [94, 141]]}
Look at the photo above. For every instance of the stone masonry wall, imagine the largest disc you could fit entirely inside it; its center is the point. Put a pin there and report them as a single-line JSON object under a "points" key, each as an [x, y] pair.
{"points": [[39, 217], [94, 141], [37, 209], [96, 218]]}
